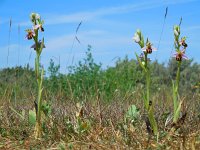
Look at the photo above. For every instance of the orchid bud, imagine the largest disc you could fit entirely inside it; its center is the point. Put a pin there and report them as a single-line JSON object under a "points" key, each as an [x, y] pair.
{"points": [[136, 38], [34, 16], [176, 30]]}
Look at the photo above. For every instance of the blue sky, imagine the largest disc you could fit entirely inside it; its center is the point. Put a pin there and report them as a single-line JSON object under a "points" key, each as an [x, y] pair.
{"points": [[108, 26]]}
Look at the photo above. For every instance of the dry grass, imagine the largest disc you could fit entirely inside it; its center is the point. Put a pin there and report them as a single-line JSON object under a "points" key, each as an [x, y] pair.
{"points": [[107, 127]]}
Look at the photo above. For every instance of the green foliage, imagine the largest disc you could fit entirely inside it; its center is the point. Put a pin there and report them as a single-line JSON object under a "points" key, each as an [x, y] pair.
{"points": [[87, 79], [46, 108], [53, 69], [32, 117], [122, 78], [19, 80], [132, 114], [53, 82]]}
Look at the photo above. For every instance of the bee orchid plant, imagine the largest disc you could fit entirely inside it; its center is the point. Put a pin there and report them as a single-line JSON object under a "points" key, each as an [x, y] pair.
{"points": [[180, 47], [33, 34], [143, 60]]}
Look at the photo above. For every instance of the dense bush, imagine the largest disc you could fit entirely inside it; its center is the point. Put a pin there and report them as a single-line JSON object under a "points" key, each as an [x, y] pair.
{"points": [[87, 79]]}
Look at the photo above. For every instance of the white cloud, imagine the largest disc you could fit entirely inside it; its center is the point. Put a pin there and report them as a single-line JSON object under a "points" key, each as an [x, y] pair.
{"points": [[53, 19]]}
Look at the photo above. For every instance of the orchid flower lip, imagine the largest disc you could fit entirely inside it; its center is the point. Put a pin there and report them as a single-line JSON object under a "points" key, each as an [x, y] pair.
{"points": [[183, 43], [147, 48], [30, 34], [179, 55]]}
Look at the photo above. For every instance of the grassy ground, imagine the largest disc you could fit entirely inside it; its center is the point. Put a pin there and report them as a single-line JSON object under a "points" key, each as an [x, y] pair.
{"points": [[95, 124]]}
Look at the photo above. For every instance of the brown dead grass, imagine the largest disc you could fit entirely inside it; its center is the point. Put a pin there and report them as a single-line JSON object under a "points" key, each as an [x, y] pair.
{"points": [[106, 127]]}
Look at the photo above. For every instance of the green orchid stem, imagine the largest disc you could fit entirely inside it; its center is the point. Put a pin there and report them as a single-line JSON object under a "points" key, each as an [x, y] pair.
{"points": [[147, 89], [178, 75], [175, 94], [39, 78], [149, 107], [147, 74], [152, 120]]}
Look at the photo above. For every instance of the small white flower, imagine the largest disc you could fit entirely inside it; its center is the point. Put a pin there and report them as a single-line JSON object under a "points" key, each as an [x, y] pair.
{"points": [[136, 38]]}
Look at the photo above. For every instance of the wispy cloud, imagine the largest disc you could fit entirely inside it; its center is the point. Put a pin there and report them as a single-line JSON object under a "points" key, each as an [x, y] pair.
{"points": [[86, 16], [97, 38], [52, 19], [65, 41]]}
